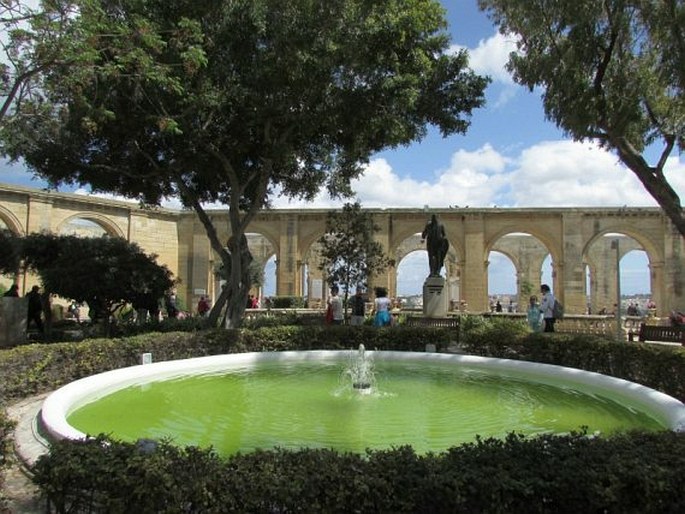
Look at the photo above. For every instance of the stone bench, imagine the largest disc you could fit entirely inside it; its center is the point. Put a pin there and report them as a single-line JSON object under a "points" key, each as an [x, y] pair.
{"points": [[660, 334]]}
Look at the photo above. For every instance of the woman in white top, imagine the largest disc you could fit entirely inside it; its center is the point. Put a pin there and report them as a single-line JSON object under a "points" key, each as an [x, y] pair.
{"points": [[382, 306], [336, 306]]}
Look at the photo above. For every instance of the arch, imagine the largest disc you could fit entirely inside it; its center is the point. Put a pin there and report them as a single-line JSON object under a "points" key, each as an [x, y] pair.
{"points": [[11, 222], [603, 262], [528, 254], [653, 253], [110, 227]]}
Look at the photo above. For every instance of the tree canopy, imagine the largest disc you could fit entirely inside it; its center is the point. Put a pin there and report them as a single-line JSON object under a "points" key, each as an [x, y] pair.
{"points": [[105, 272], [35, 37], [349, 253], [611, 71], [236, 101]]}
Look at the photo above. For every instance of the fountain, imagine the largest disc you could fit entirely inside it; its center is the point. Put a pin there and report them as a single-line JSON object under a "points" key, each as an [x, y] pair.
{"points": [[431, 401], [360, 371]]}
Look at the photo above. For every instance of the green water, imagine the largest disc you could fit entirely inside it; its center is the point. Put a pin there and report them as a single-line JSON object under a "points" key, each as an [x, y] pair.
{"points": [[429, 406]]}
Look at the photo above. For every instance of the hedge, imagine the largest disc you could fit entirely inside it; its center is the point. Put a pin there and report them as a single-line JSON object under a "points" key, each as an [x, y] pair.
{"points": [[628, 473]]}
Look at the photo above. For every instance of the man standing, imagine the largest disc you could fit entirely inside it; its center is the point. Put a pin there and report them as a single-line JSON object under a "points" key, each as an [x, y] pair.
{"points": [[547, 307], [35, 310], [358, 306]]}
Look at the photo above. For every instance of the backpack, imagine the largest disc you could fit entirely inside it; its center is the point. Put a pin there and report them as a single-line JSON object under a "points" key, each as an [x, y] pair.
{"points": [[557, 310]]}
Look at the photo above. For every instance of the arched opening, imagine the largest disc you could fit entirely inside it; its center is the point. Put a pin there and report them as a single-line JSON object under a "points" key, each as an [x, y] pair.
{"points": [[617, 272], [411, 273], [518, 263], [82, 227]]}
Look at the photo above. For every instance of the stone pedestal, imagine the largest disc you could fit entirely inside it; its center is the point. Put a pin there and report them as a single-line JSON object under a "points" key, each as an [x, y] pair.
{"points": [[435, 298], [12, 321]]}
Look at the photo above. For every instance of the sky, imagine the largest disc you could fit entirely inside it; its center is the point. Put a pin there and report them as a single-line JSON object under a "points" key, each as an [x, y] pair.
{"points": [[511, 156]]}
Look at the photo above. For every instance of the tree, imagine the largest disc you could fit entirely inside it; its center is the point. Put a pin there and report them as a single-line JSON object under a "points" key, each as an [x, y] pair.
{"points": [[237, 101], [104, 272], [36, 36], [349, 253], [612, 71]]}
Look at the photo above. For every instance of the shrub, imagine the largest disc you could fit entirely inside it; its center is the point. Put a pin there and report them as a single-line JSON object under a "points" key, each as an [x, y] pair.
{"points": [[287, 302], [6, 428], [634, 472]]}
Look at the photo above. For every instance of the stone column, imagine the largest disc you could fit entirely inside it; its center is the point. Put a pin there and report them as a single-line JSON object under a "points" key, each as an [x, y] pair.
{"points": [[569, 283], [671, 274], [474, 267], [287, 273]]}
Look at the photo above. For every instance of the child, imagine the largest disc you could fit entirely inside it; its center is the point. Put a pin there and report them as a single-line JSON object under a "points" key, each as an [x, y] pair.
{"points": [[534, 314]]}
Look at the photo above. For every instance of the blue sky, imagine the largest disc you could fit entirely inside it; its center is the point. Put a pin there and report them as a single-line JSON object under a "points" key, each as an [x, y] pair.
{"points": [[510, 157]]}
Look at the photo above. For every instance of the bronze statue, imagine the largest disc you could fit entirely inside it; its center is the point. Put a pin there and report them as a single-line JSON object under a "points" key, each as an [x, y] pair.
{"points": [[436, 244]]}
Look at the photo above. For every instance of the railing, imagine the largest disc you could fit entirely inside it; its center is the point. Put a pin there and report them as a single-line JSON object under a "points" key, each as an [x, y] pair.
{"points": [[571, 324]]}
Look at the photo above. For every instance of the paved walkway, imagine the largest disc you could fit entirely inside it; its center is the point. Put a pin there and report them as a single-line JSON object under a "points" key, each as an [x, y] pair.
{"points": [[24, 497]]}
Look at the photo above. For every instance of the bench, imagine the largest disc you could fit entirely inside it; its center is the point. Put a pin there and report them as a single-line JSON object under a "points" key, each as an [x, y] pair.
{"points": [[660, 334], [416, 321]]}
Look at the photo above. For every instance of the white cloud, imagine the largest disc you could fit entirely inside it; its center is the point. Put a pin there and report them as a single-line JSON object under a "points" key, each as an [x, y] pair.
{"points": [[491, 56], [567, 173], [547, 174]]}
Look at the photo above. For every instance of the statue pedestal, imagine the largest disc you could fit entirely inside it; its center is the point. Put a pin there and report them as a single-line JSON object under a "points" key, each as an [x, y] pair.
{"points": [[12, 321], [435, 298]]}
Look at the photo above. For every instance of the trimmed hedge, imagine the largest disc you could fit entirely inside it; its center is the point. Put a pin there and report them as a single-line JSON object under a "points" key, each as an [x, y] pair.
{"points": [[635, 472], [6, 428]]}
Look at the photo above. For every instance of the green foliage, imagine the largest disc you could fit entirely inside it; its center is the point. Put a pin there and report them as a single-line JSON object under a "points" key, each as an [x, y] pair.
{"points": [[105, 272], [635, 472], [234, 102], [611, 71], [6, 428], [286, 302], [349, 252], [10, 253]]}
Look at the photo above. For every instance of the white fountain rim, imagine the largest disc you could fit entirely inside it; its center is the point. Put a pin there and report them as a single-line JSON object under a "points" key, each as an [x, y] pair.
{"points": [[58, 405]]}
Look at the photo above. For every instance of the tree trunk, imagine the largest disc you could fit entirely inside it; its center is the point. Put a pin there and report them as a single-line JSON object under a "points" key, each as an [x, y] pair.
{"points": [[652, 177], [239, 280]]}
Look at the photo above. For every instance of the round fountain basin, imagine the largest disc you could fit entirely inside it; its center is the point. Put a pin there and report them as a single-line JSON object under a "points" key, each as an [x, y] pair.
{"points": [[241, 402]]}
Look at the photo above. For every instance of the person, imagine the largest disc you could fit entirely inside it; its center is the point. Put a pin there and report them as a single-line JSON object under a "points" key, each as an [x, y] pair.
{"points": [[358, 306], [547, 307], [498, 306], [12, 292], [382, 305], [75, 311], [436, 244], [202, 306], [533, 314], [35, 309], [336, 306], [170, 305]]}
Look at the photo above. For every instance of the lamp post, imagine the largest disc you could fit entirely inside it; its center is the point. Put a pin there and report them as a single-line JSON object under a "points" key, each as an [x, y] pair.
{"points": [[614, 246]]}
